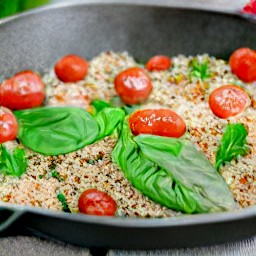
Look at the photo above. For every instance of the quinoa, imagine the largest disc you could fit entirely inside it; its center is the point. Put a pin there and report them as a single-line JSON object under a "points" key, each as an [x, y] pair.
{"points": [[92, 167]]}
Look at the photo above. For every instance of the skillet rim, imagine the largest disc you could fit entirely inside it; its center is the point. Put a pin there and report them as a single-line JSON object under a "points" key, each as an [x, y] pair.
{"points": [[130, 222]]}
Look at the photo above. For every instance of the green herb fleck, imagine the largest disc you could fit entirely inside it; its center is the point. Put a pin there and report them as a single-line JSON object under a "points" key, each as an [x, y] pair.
{"points": [[40, 176], [91, 161], [199, 70], [57, 176], [64, 203]]}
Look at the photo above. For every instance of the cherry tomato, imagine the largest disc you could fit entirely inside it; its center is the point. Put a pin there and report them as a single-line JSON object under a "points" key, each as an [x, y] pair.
{"points": [[250, 7], [228, 100], [71, 68], [158, 63], [243, 64], [133, 85], [161, 122], [23, 90], [8, 125], [95, 202]]}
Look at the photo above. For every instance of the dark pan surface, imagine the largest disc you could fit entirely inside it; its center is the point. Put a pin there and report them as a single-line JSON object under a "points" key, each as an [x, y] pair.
{"points": [[35, 40]]}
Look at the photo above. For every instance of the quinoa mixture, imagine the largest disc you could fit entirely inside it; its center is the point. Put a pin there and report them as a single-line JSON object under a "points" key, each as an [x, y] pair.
{"points": [[91, 167]]}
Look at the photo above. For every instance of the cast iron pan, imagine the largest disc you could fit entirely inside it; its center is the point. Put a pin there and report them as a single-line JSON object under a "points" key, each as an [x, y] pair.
{"points": [[37, 39]]}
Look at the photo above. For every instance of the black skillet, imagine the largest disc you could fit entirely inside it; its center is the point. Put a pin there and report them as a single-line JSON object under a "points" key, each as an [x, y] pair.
{"points": [[143, 28]]}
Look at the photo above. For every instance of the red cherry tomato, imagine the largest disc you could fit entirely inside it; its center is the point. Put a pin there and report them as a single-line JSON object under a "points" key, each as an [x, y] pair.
{"points": [[243, 64], [161, 122], [23, 90], [95, 202], [250, 7], [228, 100], [133, 85], [8, 125], [71, 68], [158, 63]]}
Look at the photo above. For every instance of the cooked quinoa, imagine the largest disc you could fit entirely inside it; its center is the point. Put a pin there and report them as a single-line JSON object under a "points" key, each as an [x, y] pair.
{"points": [[91, 167]]}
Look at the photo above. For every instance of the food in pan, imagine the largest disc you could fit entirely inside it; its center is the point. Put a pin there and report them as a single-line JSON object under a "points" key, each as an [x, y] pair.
{"points": [[112, 136]]}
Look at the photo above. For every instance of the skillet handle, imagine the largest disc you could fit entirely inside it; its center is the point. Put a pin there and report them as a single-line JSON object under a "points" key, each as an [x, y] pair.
{"points": [[8, 217]]}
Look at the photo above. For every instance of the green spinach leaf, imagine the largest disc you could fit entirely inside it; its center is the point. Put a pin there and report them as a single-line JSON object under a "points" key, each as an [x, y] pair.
{"points": [[199, 70], [172, 172], [56, 130], [13, 162], [232, 145]]}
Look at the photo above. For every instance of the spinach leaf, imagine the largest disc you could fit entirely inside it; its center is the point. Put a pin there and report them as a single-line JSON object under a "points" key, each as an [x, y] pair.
{"points": [[172, 172], [64, 203], [199, 70], [13, 162], [56, 130], [108, 119], [232, 145]]}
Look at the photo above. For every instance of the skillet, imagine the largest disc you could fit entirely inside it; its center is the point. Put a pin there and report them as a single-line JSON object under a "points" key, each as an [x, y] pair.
{"points": [[143, 28]]}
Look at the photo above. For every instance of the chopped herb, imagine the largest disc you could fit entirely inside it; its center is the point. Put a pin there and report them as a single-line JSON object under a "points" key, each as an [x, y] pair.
{"points": [[53, 166], [57, 176], [40, 176], [64, 203], [199, 70], [91, 161]]}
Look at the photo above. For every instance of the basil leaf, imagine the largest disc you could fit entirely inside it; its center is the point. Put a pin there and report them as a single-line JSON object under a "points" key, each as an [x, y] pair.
{"points": [[56, 130], [99, 105], [129, 109], [172, 172], [108, 119], [13, 162], [199, 70], [232, 145]]}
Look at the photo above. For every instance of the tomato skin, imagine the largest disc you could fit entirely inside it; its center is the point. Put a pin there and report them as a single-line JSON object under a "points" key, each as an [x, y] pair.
{"points": [[95, 202], [228, 100], [133, 85], [158, 63], [243, 64], [71, 68], [250, 7], [23, 90], [8, 125], [161, 122]]}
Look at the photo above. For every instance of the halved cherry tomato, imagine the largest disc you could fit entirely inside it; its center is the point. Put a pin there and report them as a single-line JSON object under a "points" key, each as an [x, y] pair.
{"points": [[71, 68], [243, 64], [133, 85], [23, 90], [95, 202], [158, 63], [8, 125], [228, 100], [161, 122]]}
